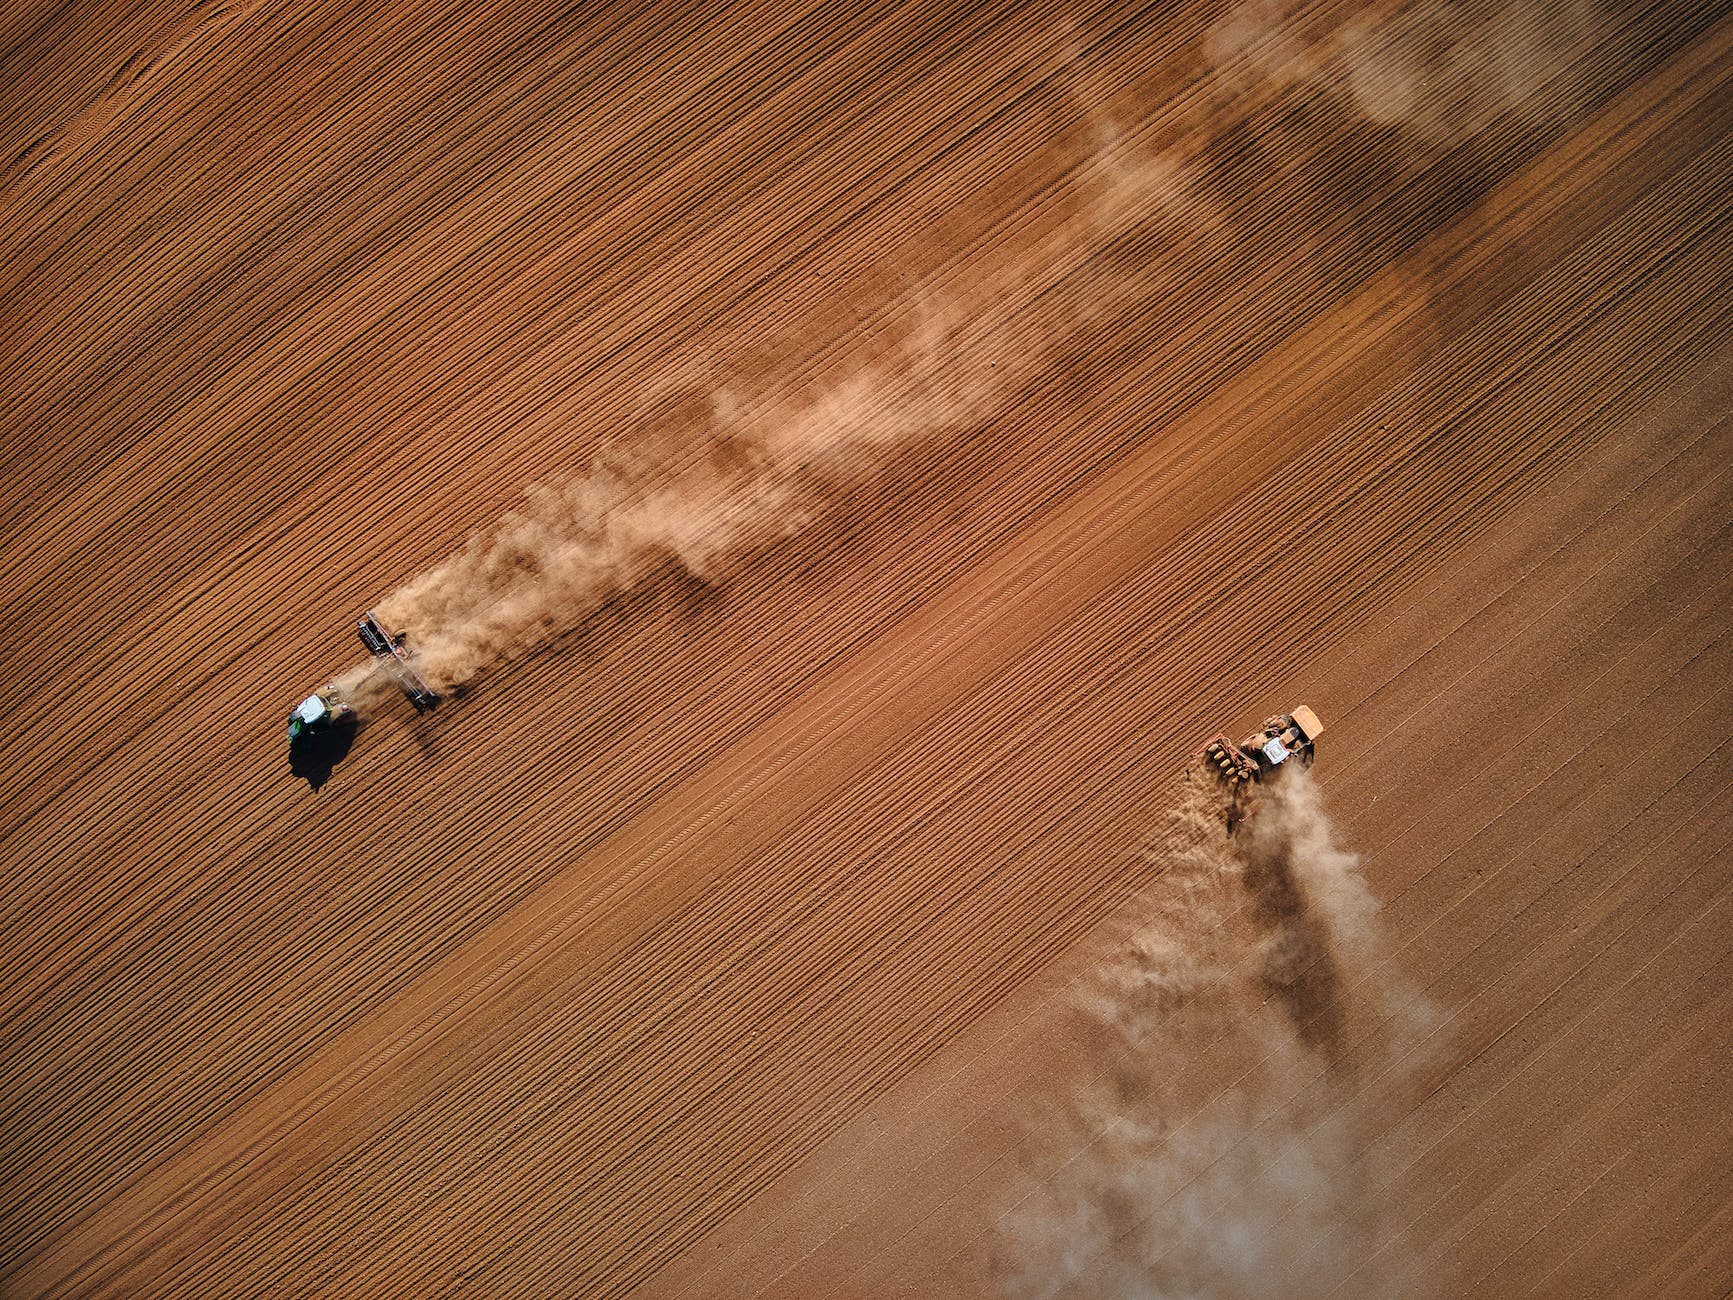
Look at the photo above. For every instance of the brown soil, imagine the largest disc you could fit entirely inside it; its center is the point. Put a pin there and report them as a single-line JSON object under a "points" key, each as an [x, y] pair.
{"points": [[718, 938]]}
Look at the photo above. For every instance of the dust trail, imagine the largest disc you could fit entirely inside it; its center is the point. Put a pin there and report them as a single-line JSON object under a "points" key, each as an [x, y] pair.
{"points": [[753, 467], [1215, 1138], [698, 501], [1444, 72]]}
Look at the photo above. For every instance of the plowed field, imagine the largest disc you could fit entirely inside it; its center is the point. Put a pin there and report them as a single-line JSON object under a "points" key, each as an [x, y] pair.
{"points": [[946, 417]]}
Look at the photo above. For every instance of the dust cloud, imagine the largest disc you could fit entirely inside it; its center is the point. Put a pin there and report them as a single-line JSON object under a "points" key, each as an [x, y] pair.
{"points": [[1128, 184], [754, 467], [698, 501], [1445, 73], [363, 686], [1233, 1041]]}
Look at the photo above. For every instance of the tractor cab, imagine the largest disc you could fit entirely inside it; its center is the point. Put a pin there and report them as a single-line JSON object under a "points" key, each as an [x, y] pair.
{"points": [[313, 715]]}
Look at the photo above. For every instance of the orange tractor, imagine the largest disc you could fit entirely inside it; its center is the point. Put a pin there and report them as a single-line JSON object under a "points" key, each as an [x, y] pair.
{"points": [[1285, 736]]}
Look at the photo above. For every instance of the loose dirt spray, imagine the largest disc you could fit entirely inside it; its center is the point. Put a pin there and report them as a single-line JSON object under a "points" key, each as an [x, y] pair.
{"points": [[1235, 1039], [750, 475], [762, 465], [752, 467]]}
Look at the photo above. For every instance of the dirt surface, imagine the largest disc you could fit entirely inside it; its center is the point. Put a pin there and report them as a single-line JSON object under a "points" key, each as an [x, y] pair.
{"points": [[947, 417]]}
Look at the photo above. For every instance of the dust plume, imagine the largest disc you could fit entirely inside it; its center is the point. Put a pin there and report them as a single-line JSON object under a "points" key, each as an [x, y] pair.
{"points": [[1233, 1040], [1143, 207], [1443, 72], [744, 467], [697, 500], [1312, 142], [1133, 189]]}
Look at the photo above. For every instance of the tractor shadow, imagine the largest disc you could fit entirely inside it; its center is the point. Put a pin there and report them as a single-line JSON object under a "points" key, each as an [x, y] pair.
{"points": [[314, 757]]}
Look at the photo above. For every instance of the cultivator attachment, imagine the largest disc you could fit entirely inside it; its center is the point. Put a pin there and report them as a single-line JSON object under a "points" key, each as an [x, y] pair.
{"points": [[1230, 764], [390, 650]]}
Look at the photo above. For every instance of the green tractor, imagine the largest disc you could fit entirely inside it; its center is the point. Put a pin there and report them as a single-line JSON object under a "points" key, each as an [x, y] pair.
{"points": [[316, 714]]}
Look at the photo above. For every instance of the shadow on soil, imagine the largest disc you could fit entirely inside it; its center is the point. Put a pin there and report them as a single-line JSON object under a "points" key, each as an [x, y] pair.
{"points": [[1300, 969], [313, 757]]}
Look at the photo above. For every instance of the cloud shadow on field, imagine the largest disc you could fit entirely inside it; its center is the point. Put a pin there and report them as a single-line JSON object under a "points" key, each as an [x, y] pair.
{"points": [[1352, 195], [667, 592]]}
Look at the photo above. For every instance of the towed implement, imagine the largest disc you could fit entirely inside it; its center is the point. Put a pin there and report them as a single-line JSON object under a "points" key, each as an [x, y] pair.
{"points": [[390, 651], [1285, 738]]}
